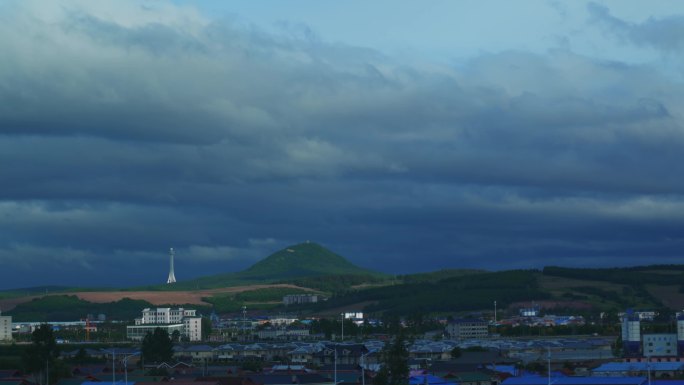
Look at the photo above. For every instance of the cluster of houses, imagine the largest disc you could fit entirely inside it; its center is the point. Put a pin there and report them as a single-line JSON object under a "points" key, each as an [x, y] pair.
{"points": [[329, 363], [544, 321], [315, 353]]}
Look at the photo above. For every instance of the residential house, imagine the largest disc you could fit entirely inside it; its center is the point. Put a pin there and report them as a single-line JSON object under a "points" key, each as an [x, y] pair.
{"points": [[342, 353]]}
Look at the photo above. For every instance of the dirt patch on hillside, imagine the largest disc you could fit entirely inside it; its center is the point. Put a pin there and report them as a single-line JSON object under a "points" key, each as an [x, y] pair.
{"points": [[8, 304], [190, 297]]}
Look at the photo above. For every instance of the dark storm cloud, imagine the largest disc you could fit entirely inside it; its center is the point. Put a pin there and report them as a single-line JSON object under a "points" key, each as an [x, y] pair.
{"points": [[665, 33], [124, 132]]}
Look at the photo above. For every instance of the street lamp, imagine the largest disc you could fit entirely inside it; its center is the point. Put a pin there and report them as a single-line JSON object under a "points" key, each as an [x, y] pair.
{"points": [[113, 353], [363, 365], [125, 360]]}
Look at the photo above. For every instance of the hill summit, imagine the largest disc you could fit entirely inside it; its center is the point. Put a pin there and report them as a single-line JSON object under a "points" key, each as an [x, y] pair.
{"points": [[301, 260]]}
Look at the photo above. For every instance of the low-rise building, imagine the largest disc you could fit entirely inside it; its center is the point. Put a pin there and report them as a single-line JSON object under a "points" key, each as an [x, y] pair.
{"points": [[659, 345], [355, 316], [5, 328], [463, 329], [296, 299], [283, 333]]}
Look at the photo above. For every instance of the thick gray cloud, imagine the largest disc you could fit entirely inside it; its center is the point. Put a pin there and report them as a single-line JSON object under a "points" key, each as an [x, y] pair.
{"points": [[125, 130], [666, 33]]}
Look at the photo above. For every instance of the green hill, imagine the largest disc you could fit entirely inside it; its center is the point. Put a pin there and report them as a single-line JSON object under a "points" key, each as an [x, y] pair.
{"points": [[303, 260]]}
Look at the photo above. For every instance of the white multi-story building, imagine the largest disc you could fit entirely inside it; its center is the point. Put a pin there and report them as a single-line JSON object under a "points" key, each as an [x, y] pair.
{"points": [[355, 316], [5, 328], [192, 328], [183, 320], [282, 320], [164, 315]]}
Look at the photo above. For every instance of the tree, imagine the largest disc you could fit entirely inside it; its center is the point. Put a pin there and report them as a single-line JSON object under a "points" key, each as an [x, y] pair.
{"points": [[39, 358], [395, 370], [455, 352], [252, 366], [81, 356], [382, 377], [162, 372], [157, 346], [175, 336], [206, 328]]}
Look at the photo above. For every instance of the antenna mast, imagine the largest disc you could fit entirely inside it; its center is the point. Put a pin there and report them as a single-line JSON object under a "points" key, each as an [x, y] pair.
{"points": [[172, 276]]}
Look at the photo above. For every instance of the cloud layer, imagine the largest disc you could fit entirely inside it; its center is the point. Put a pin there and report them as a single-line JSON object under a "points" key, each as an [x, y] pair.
{"points": [[129, 128]]}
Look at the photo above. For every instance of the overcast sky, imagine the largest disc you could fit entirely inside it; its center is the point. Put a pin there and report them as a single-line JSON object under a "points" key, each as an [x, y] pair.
{"points": [[404, 135]]}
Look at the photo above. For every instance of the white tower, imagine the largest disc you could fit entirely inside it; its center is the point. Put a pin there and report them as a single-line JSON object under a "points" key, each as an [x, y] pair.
{"points": [[172, 276]]}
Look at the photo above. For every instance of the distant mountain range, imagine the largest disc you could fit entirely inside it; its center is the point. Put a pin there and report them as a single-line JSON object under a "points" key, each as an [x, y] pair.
{"points": [[310, 266]]}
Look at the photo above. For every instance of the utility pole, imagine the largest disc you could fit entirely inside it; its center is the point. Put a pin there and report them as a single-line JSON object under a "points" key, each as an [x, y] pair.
{"points": [[548, 357], [336, 364], [244, 322], [113, 372], [494, 313]]}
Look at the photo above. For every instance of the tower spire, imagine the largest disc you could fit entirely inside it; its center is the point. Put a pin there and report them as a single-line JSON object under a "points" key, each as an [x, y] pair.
{"points": [[172, 276]]}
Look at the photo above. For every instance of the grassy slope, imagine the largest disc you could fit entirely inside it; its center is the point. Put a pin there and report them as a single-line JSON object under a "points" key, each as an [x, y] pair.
{"points": [[438, 275], [648, 287], [656, 286], [459, 293]]}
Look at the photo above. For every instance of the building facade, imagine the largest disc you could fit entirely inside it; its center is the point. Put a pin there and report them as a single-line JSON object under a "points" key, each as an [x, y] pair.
{"points": [[659, 345], [5, 328], [192, 328], [294, 299], [185, 321], [138, 332], [463, 329], [631, 334], [164, 315]]}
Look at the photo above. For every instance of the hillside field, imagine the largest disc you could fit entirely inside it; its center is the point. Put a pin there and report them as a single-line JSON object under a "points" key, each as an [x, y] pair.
{"points": [[186, 297]]}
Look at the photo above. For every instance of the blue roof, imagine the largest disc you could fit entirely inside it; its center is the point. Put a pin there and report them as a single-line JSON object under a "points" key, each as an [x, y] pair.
{"points": [[428, 379], [510, 369], [639, 366], [575, 381]]}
